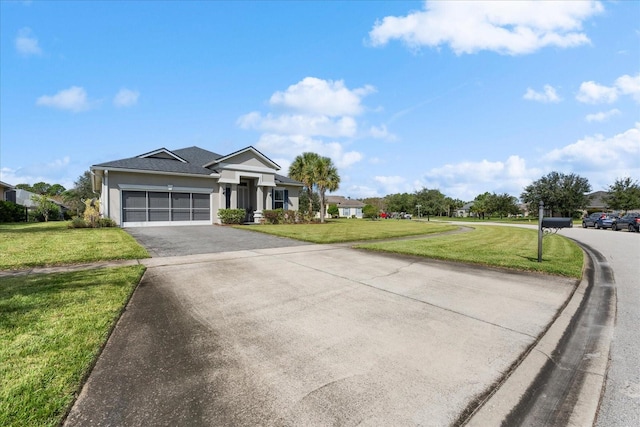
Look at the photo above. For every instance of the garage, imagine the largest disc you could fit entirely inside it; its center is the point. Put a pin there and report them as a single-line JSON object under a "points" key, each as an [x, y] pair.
{"points": [[163, 206]]}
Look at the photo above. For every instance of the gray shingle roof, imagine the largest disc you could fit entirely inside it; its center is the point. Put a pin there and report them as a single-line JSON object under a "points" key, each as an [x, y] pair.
{"points": [[195, 158]]}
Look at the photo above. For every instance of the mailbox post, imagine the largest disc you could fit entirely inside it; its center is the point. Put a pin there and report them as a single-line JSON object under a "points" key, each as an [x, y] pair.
{"points": [[540, 215]]}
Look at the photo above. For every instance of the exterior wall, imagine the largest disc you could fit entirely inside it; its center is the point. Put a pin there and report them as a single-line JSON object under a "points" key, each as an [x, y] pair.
{"points": [[114, 182]]}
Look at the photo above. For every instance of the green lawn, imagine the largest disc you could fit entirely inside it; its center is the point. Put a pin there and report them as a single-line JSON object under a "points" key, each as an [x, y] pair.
{"points": [[52, 327], [506, 247], [52, 243], [350, 230]]}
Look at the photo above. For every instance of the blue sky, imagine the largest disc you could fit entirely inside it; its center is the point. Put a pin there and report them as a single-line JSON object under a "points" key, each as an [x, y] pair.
{"points": [[465, 97]]}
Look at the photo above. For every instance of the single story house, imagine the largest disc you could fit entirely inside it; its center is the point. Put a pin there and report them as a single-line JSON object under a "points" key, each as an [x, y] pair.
{"points": [[464, 211], [4, 188], [189, 186], [347, 208]]}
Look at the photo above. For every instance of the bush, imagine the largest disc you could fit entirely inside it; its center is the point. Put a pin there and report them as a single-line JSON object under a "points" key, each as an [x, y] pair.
{"points": [[369, 211], [280, 216], [333, 210], [11, 212], [106, 222], [232, 216], [78, 223]]}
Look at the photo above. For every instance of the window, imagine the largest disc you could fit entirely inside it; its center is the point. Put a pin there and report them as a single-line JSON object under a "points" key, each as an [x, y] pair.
{"points": [[278, 199]]}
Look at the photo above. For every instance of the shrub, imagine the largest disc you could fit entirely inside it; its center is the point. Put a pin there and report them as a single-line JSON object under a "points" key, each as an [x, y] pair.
{"points": [[333, 210], [232, 216], [275, 216], [78, 223], [11, 212], [106, 222], [369, 211]]}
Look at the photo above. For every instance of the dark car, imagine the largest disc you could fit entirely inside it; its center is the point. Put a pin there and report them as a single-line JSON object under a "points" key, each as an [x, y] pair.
{"points": [[605, 221], [630, 221], [590, 221]]}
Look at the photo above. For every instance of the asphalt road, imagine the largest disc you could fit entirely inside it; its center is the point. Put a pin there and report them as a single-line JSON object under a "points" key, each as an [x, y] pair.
{"points": [[620, 404]]}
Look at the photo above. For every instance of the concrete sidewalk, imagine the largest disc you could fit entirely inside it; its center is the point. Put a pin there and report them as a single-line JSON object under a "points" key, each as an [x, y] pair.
{"points": [[313, 335]]}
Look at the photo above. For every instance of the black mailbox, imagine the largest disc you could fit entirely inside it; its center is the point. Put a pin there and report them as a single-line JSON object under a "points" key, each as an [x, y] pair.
{"points": [[557, 222]]}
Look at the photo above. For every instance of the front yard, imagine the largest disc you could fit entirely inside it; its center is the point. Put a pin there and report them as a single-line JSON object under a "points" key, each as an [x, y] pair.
{"points": [[53, 326]]}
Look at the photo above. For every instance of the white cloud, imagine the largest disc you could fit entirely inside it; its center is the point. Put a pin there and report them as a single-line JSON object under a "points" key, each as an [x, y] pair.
{"points": [[126, 98], [292, 145], [599, 153], [54, 172], [72, 99], [505, 27], [602, 115], [27, 43], [310, 125], [465, 180], [381, 132], [629, 85], [322, 97], [549, 95], [593, 93], [393, 184]]}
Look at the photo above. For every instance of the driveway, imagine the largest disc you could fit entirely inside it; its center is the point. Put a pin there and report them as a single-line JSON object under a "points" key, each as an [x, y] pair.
{"points": [[313, 335], [204, 239]]}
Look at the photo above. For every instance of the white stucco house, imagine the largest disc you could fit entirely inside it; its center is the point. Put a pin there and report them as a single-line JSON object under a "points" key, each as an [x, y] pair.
{"points": [[189, 186], [347, 208]]}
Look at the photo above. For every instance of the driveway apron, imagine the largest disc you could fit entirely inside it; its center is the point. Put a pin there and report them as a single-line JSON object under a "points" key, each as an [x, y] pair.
{"points": [[313, 335]]}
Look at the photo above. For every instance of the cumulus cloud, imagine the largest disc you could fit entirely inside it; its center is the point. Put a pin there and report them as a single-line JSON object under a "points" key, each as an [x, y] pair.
{"points": [[548, 95], [27, 43], [381, 132], [617, 153], [322, 97], [310, 125], [72, 99], [511, 28], [291, 145], [313, 115], [602, 115], [126, 98], [594, 93]]}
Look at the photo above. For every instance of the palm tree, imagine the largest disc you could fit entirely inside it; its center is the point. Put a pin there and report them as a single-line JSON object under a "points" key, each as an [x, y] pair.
{"points": [[326, 178], [303, 169]]}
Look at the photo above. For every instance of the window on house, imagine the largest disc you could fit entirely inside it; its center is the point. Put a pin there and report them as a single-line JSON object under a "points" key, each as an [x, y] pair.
{"points": [[278, 199]]}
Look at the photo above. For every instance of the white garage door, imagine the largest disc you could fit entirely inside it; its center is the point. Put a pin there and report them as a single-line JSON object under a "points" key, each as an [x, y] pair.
{"points": [[139, 207]]}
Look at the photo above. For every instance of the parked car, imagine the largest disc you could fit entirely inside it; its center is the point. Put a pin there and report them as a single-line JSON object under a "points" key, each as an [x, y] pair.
{"points": [[590, 221], [605, 221], [630, 221]]}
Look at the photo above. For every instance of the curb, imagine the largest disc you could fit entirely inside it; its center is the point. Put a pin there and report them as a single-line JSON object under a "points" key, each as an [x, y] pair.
{"points": [[560, 380]]}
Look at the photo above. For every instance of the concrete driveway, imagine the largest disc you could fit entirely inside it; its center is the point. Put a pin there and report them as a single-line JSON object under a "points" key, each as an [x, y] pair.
{"points": [[203, 239], [313, 335]]}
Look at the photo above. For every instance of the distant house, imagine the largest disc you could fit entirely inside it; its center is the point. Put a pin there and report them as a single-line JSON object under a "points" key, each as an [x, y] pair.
{"points": [[189, 185], [347, 208], [464, 211], [4, 189], [597, 201]]}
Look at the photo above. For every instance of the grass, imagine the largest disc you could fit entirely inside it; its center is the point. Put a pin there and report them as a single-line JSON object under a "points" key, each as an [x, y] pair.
{"points": [[349, 230], [505, 247], [52, 328], [52, 243]]}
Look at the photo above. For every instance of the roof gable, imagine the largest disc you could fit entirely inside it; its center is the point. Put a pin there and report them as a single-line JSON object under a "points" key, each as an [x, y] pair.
{"points": [[162, 153], [248, 156]]}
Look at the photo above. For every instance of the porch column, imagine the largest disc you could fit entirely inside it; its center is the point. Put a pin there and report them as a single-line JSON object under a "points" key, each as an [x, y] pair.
{"points": [[257, 215]]}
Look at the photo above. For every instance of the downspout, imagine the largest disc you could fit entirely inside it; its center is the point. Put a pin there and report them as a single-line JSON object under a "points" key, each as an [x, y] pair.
{"points": [[105, 186]]}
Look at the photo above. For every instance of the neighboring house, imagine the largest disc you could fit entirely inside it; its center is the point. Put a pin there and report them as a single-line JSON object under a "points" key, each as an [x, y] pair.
{"points": [[347, 208], [464, 211], [189, 186], [597, 201], [4, 188]]}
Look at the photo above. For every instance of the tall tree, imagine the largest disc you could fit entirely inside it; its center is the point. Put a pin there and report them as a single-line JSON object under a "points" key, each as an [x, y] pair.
{"points": [[481, 204], [81, 191], [502, 204], [432, 202], [400, 202], [326, 178], [624, 194], [303, 169], [560, 193]]}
